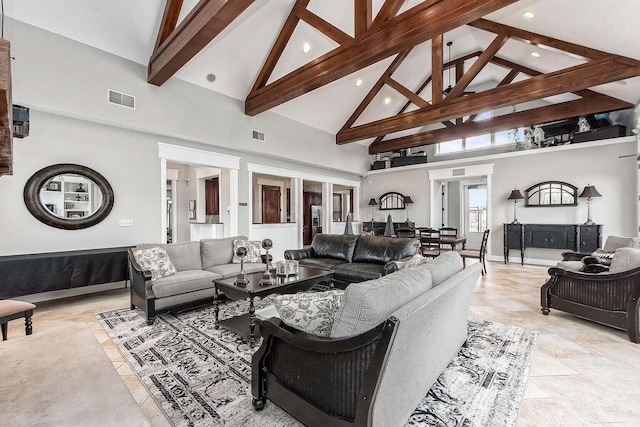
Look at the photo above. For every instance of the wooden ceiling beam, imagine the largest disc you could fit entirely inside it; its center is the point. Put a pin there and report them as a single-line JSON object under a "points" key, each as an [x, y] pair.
{"points": [[477, 66], [605, 70], [329, 30], [376, 88], [507, 79], [207, 19], [437, 69], [415, 99], [169, 21], [388, 10], [362, 11], [545, 114], [397, 34], [279, 45], [539, 40]]}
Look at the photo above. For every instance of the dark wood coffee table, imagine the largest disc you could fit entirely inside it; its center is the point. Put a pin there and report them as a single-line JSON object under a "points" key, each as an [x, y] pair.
{"points": [[245, 324]]}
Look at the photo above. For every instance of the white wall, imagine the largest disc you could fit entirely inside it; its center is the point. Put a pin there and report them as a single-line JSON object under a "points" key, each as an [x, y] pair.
{"points": [[284, 236], [588, 163]]}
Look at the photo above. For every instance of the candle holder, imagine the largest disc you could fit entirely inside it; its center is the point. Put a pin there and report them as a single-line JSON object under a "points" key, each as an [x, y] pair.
{"points": [[266, 276], [241, 278]]}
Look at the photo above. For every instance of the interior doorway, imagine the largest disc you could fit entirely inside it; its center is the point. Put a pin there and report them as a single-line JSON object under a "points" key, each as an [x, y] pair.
{"points": [[271, 210]]}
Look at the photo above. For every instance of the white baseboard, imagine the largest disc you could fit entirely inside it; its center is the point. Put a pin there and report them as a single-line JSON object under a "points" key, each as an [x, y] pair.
{"points": [[527, 261], [72, 292]]}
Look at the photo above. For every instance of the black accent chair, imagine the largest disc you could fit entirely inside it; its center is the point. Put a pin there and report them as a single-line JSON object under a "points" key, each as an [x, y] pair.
{"points": [[612, 299]]}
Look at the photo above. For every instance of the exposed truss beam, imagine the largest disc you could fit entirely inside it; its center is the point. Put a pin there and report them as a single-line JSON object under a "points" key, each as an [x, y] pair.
{"points": [[477, 66], [406, 30], [324, 27], [279, 45], [437, 69], [169, 21], [362, 10], [207, 19], [596, 72], [539, 40], [560, 111], [508, 79], [388, 10]]}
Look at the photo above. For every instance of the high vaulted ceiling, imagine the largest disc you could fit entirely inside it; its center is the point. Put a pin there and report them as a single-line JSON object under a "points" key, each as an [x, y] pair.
{"points": [[238, 52]]}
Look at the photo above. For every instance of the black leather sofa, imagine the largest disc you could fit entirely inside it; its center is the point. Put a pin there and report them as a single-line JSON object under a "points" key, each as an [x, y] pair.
{"points": [[354, 258]]}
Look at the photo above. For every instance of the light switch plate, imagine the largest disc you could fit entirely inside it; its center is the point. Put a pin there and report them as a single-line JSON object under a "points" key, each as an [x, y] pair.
{"points": [[125, 223]]}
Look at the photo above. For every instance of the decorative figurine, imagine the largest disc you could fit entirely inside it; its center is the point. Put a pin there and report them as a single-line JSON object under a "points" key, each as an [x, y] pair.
{"points": [[538, 135], [266, 276], [583, 125]]}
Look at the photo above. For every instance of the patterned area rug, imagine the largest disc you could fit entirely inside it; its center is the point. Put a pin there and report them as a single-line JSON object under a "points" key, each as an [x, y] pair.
{"points": [[201, 376]]}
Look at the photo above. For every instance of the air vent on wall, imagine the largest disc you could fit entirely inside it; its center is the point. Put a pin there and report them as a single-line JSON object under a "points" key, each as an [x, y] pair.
{"points": [[458, 172], [122, 99], [258, 136]]}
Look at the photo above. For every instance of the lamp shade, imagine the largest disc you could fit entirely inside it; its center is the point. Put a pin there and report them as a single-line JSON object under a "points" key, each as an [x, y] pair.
{"points": [[590, 191], [408, 200], [372, 202], [515, 195]]}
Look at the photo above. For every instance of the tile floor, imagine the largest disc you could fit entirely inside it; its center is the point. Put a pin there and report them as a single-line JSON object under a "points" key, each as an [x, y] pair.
{"points": [[583, 374]]}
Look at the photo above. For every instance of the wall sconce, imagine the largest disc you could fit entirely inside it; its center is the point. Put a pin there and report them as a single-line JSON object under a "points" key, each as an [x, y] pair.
{"points": [[515, 196], [589, 192], [372, 203], [407, 202]]}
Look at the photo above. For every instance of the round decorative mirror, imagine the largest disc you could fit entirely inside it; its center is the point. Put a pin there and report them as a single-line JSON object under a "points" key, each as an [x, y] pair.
{"points": [[68, 196]]}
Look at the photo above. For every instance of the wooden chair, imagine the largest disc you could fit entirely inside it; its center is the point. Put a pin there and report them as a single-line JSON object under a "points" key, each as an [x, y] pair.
{"points": [[448, 235], [477, 254], [430, 242], [11, 310]]}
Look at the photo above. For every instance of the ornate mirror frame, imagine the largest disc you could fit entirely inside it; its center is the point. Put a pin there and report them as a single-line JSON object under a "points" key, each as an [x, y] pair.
{"points": [[42, 214]]}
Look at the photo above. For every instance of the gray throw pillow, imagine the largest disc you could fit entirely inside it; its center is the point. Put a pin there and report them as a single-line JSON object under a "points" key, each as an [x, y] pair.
{"points": [[625, 259], [253, 250]]}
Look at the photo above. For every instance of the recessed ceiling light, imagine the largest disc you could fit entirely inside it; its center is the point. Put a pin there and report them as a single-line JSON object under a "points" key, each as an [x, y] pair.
{"points": [[211, 77], [306, 47], [359, 82], [387, 100], [535, 54], [529, 15]]}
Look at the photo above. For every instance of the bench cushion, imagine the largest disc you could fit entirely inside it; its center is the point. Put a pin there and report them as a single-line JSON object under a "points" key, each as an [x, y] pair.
{"points": [[183, 282], [9, 307], [229, 270], [368, 304]]}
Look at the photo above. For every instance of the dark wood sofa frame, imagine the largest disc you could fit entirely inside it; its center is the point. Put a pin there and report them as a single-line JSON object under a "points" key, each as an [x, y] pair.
{"points": [[335, 387], [612, 299]]}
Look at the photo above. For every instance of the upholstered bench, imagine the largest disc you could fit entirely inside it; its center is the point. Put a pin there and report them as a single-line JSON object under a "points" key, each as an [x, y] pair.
{"points": [[11, 310]]}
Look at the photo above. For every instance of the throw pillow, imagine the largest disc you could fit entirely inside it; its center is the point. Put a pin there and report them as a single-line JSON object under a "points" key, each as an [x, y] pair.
{"points": [[311, 312], [416, 261], [156, 261], [253, 250]]}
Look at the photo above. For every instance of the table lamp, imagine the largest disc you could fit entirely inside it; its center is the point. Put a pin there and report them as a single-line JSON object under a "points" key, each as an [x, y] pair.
{"points": [[589, 192], [241, 278], [515, 196], [372, 203], [407, 201]]}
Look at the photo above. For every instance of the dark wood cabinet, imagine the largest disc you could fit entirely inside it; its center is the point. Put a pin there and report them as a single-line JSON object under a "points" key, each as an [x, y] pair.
{"points": [[212, 196], [575, 237]]}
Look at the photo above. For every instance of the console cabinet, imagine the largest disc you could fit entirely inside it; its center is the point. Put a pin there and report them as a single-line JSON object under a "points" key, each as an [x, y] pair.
{"points": [[575, 237]]}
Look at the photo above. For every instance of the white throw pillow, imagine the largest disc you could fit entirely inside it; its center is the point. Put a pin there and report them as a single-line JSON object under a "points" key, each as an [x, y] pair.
{"points": [[311, 312], [156, 261], [416, 261], [253, 250]]}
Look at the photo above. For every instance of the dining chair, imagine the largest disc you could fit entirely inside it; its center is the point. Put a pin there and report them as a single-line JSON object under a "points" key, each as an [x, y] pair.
{"points": [[430, 242], [477, 254], [448, 236]]}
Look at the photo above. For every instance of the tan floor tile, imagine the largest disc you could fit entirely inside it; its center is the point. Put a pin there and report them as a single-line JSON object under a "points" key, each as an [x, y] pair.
{"points": [[137, 389], [112, 352], [154, 414], [544, 365]]}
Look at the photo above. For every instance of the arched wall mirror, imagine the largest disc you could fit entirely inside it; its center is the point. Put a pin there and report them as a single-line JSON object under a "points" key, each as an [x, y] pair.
{"points": [[68, 196], [551, 193]]}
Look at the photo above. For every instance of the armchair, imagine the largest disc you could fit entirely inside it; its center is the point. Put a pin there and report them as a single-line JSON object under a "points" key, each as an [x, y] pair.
{"points": [[578, 261], [611, 298]]}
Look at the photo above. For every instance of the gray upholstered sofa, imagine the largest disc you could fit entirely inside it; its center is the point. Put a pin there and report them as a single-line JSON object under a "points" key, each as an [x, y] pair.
{"points": [[354, 258], [197, 263], [390, 340]]}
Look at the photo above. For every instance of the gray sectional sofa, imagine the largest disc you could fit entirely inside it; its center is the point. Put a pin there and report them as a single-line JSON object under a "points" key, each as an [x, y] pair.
{"points": [[197, 264], [390, 340], [354, 258]]}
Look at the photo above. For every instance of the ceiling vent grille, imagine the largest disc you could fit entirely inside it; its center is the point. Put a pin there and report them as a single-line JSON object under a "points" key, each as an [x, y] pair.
{"points": [[257, 135], [122, 99]]}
